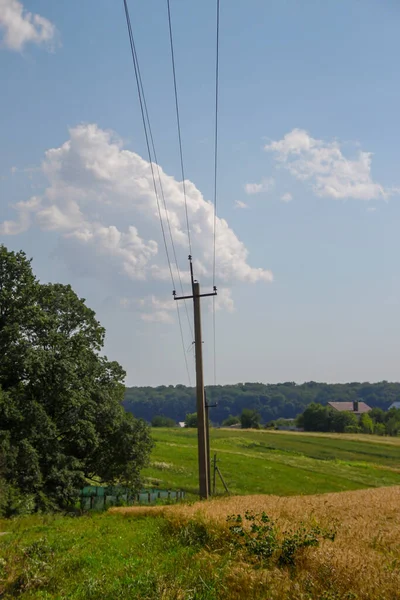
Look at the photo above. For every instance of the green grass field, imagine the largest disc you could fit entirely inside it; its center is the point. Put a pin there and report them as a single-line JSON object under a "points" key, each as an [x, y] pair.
{"points": [[100, 556], [153, 556], [263, 462]]}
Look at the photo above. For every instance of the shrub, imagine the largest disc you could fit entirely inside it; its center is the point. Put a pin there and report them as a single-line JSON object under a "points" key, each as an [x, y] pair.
{"points": [[250, 419], [263, 540], [162, 421], [379, 429], [352, 429], [191, 420], [13, 502], [260, 539], [366, 423]]}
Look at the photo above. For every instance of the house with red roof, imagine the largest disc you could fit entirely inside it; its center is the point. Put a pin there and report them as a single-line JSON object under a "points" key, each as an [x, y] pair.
{"points": [[355, 407]]}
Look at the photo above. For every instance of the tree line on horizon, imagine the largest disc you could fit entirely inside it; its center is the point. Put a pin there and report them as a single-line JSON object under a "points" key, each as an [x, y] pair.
{"points": [[326, 419], [272, 401]]}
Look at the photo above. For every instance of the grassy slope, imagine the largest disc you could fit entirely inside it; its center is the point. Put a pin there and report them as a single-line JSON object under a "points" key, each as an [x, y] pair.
{"points": [[277, 462], [185, 553], [102, 556]]}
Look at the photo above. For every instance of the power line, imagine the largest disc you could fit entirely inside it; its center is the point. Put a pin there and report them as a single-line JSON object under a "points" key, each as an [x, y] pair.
{"points": [[143, 113], [215, 183], [162, 189], [135, 65], [216, 139], [178, 123]]}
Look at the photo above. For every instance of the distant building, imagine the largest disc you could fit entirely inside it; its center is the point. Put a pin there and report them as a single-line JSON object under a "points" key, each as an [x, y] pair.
{"points": [[394, 405], [356, 407], [181, 423]]}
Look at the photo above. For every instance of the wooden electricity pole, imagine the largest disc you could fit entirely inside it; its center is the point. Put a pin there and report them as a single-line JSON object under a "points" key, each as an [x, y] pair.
{"points": [[202, 408]]}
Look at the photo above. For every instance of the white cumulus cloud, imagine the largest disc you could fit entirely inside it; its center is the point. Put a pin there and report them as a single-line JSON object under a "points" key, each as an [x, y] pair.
{"points": [[257, 188], [158, 316], [100, 200], [23, 221], [150, 308], [324, 165], [287, 197], [20, 27], [240, 204], [224, 300]]}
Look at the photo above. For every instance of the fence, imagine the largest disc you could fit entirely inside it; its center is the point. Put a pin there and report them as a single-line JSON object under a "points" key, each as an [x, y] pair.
{"points": [[98, 497]]}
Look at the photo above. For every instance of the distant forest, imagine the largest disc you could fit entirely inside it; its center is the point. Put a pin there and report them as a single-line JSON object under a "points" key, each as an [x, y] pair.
{"points": [[272, 401]]}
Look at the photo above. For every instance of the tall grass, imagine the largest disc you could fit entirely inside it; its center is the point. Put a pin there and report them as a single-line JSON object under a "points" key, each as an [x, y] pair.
{"points": [[362, 563]]}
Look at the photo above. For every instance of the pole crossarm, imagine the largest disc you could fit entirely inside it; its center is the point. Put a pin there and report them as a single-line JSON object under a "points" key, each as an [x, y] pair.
{"points": [[191, 297]]}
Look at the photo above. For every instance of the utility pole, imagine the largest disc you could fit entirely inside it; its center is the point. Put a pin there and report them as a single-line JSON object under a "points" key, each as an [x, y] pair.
{"points": [[202, 408], [208, 406]]}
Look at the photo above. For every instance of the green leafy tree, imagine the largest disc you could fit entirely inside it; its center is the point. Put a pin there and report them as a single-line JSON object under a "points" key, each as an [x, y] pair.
{"points": [[379, 429], [161, 421], [250, 419], [316, 418], [343, 422], [271, 401], [191, 420], [377, 415], [393, 425], [61, 415], [366, 423]]}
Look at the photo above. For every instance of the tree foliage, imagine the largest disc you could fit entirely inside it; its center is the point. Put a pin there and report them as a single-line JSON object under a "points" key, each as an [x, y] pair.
{"points": [[61, 414], [191, 420], [161, 421], [271, 401], [250, 419], [323, 418]]}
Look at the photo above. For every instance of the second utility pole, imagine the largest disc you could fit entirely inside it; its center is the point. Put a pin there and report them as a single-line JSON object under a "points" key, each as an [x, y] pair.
{"points": [[202, 412]]}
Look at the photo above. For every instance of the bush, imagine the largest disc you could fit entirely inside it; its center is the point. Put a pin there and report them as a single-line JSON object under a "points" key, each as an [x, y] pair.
{"points": [[263, 540], [191, 420], [260, 539], [352, 429], [379, 429], [344, 422], [250, 419], [13, 502], [393, 425], [366, 423]]}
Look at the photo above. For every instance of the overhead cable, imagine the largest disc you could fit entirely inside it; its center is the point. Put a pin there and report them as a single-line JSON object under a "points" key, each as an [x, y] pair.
{"points": [[215, 182], [144, 112], [178, 124]]}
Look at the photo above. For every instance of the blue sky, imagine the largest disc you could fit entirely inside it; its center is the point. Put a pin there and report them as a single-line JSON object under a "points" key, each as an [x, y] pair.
{"points": [[309, 185]]}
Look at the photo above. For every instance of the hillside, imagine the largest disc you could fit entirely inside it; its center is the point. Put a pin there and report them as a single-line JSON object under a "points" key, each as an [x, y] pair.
{"points": [[272, 401], [283, 463]]}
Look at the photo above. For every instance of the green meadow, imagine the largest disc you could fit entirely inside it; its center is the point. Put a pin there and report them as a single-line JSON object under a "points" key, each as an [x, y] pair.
{"points": [[283, 463]]}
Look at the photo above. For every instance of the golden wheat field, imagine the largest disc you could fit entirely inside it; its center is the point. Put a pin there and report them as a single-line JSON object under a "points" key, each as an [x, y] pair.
{"points": [[362, 563]]}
